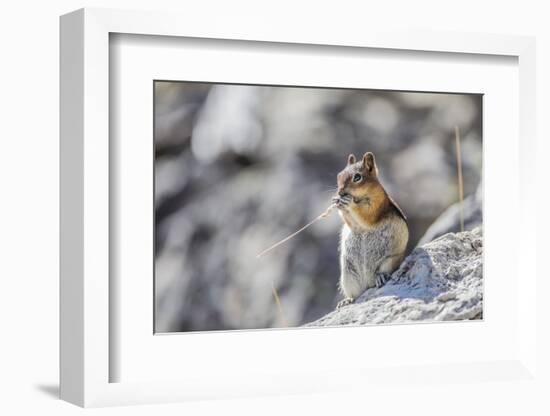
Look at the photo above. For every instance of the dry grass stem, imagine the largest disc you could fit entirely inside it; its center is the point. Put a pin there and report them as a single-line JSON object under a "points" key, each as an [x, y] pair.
{"points": [[460, 181], [279, 306], [284, 240]]}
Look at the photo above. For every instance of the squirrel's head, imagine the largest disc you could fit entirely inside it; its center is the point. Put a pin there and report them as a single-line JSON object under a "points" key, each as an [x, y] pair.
{"points": [[359, 177]]}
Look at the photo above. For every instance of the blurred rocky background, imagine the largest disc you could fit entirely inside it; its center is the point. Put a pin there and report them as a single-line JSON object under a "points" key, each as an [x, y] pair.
{"points": [[239, 167]]}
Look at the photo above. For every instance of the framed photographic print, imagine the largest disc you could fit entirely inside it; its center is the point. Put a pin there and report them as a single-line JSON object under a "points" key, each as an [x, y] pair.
{"points": [[236, 206]]}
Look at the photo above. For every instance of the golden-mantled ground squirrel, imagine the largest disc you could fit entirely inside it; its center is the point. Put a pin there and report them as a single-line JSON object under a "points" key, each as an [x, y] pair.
{"points": [[375, 232]]}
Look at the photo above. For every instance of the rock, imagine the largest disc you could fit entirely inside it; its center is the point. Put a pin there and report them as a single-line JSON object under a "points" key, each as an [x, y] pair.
{"points": [[449, 220], [439, 281]]}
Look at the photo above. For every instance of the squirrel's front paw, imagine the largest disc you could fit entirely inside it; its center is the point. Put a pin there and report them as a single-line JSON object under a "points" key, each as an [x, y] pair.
{"points": [[382, 279], [342, 201], [344, 302]]}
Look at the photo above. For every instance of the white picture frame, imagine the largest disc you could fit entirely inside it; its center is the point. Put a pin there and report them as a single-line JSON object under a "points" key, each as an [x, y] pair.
{"points": [[86, 305]]}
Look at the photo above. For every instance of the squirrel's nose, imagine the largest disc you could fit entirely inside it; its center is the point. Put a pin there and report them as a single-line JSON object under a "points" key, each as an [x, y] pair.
{"points": [[341, 192]]}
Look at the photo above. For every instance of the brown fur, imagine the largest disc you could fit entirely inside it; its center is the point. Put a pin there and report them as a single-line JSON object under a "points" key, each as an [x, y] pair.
{"points": [[375, 235], [371, 203]]}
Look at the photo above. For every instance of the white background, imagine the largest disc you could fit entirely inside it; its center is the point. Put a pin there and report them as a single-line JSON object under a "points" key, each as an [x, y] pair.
{"points": [[29, 225]]}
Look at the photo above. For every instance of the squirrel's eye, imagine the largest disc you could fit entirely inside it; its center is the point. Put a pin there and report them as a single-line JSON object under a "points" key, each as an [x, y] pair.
{"points": [[357, 177]]}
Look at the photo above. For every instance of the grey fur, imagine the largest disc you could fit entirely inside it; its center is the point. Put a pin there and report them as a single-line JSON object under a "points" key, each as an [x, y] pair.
{"points": [[366, 255]]}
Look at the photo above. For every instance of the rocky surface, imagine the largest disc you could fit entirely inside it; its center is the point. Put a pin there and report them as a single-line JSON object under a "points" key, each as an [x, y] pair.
{"points": [[449, 220], [439, 281]]}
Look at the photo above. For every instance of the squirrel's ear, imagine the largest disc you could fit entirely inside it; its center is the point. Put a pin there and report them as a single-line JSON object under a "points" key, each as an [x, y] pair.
{"points": [[351, 159], [370, 163]]}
